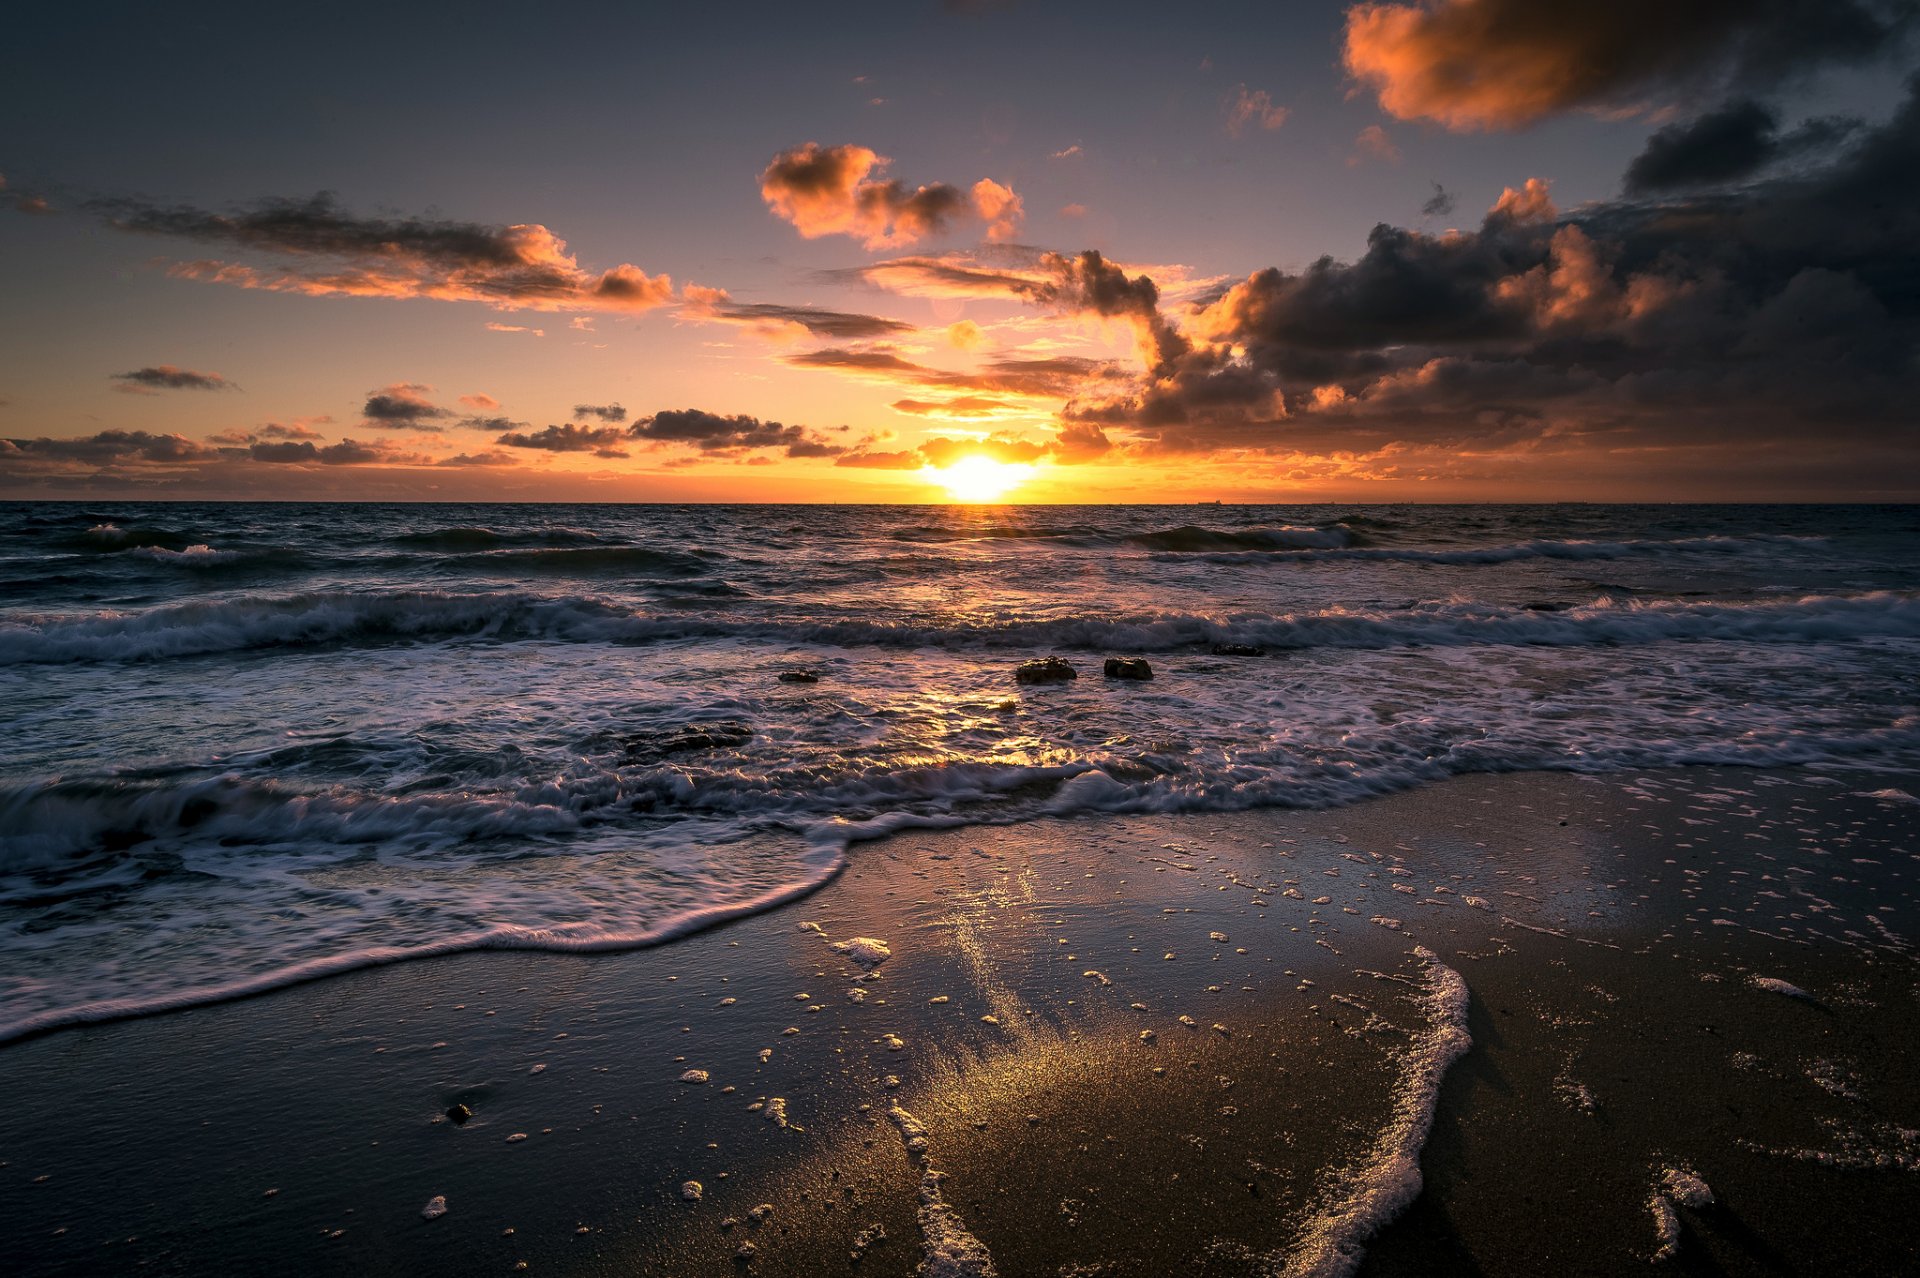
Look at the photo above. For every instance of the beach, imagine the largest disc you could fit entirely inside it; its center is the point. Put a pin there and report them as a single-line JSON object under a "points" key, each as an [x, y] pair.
{"points": [[1666, 977]]}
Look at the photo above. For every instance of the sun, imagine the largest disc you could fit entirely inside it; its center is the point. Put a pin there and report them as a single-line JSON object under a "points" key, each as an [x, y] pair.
{"points": [[979, 478]]}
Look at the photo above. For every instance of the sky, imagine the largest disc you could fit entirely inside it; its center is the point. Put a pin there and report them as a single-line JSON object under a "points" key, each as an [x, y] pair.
{"points": [[1439, 250]]}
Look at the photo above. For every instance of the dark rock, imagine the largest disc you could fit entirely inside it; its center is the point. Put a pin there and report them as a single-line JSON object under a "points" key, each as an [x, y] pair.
{"points": [[459, 1114], [1237, 650], [1045, 670], [799, 676], [1128, 668]]}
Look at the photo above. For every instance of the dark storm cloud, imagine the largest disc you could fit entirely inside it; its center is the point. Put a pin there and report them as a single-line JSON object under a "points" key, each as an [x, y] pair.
{"points": [[712, 432], [601, 441], [1736, 141], [156, 377], [322, 249], [1440, 204], [1780, 315], [605, 412], [1490, 64]]}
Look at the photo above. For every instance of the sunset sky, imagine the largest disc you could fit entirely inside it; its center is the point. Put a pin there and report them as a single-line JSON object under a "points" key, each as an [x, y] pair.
{"points": [[1449, 250]]}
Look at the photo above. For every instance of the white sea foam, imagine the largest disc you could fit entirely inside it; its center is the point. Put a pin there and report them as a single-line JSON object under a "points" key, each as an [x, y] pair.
{"points": [[1386, 1179], [948, 1250]]}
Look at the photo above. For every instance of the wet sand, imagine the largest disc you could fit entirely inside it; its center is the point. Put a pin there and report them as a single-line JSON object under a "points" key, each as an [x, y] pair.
{"points": [[1702, 972]]}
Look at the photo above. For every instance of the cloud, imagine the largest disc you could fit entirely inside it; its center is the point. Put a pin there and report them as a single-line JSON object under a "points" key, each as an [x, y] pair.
{"points": [[480, 401], [403, 404], [107, 447], [1734, 141], [777, 322], [315, 247], [712, 432], [1373, 144], [348, 452], [159, 377], [1764, 325], [490, 458], [1072, 445], [601, 441], [605, 412], [1054, 377], [999, 208], [1252, 109], [1069, 152], [1441, 204], [493, 326], [840, 190], [1503, 64]]}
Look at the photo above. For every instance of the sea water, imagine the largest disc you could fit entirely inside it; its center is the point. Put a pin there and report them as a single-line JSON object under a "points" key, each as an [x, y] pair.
{"points": [[245, 744]]}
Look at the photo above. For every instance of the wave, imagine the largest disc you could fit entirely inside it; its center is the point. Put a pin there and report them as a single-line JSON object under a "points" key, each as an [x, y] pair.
{"points": [[1187, 537], [470, 538], [327, 617], [48, 824], [820, 866], [577, 561], [1535, 549], [112, 537], [1192, 539]]}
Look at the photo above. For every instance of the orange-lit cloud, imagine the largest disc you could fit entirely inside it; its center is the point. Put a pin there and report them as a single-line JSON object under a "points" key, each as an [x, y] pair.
{"points": [[776, 322], [1253, 109], [839, 190], [1531, 202], [1503, 64], [999, 208], [319, 249], [1373, 144]]}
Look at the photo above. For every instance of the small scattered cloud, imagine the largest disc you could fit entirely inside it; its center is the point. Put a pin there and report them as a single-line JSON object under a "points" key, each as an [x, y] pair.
{"points": [[1373, 144], [1440, 204], [1253, 109], [841, 190], [605, 412], [601, 441], [403, 404], [714, 432], [158, 377]]}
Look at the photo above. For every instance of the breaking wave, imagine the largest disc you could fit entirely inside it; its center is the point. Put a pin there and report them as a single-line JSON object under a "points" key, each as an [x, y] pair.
{"points": [[326, 617]]}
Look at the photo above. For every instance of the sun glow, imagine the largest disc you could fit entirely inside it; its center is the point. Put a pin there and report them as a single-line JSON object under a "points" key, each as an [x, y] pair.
{"points": [[979, 478]]}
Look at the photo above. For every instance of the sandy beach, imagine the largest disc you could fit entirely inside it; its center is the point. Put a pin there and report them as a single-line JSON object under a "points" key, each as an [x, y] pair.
{"points": [[1135, 1045]]}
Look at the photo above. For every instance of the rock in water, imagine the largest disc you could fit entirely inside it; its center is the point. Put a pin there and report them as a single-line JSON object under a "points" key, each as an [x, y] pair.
{"points": [[1045, 670], [691, 1190], [436, 1207], [1237, 650], [799, 676], [1128, 668], [459, 1113]]}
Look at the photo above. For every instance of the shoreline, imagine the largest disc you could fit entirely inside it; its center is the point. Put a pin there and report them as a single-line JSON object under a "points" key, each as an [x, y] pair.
{"points": [[328, 1091]]}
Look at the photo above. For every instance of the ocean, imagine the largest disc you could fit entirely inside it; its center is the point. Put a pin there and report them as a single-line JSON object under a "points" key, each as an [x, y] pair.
{"points": [[247, 744]]}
